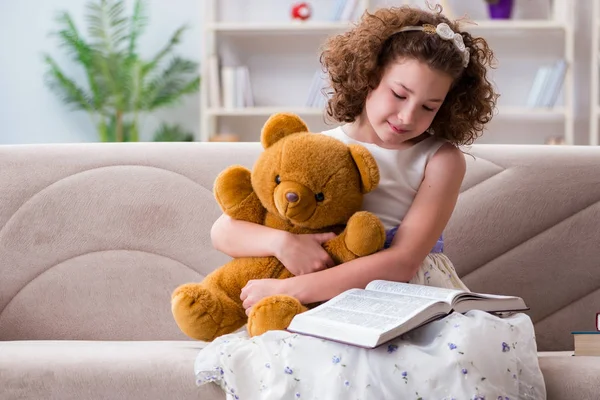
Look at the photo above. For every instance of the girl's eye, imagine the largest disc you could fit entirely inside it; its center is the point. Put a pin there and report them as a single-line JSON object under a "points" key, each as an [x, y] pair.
{"points": [[398, 96], [428, 109]]}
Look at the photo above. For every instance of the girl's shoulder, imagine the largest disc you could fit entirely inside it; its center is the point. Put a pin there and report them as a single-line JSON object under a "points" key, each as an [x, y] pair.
{"points": [[338, 133], [446, 158]]}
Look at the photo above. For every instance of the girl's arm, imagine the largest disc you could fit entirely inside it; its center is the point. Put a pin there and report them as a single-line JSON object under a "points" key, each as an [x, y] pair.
{"points": [[238, 238], [300, 254], [422, 226]]}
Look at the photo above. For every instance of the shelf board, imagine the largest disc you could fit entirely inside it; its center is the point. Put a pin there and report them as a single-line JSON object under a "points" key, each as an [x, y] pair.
{"points": [[511, 112], [279, 28], [263, 111], [531, 112], [320, 27], [515, 24]]}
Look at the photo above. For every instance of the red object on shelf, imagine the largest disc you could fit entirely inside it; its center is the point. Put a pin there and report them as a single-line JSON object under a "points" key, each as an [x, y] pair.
{"points": [[301, 11]]}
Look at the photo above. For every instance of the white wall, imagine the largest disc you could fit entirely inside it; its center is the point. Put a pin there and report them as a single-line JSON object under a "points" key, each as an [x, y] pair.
{"points": [[30, 113]]}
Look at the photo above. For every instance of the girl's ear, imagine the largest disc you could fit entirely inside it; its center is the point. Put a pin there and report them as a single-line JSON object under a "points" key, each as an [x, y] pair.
{"points": [[367, 167]]}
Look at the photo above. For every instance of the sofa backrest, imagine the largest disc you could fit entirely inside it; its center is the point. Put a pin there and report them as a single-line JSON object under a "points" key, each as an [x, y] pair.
{"points": [[95, 237]]}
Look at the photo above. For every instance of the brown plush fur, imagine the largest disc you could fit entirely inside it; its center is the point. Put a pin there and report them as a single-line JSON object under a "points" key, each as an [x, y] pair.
{"points": [[307, 165]]}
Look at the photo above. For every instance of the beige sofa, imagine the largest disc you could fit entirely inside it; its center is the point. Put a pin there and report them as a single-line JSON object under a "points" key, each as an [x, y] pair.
{"points": [[94, 237]]}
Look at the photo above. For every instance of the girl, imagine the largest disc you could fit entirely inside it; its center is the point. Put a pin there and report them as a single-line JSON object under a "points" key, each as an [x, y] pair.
{"points": [[411, 87]]}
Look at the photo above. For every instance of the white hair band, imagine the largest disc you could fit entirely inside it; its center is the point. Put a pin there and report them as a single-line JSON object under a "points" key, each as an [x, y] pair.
{"points": [[445, 32]]}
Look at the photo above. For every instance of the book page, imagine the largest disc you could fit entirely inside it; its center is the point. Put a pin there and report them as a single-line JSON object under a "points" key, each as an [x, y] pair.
{"points": [[370, 309], [409, 289]]}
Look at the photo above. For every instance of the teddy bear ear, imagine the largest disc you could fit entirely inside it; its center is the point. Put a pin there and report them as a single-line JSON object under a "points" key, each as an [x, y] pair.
{"points": [[280, 125], [367, 166]]}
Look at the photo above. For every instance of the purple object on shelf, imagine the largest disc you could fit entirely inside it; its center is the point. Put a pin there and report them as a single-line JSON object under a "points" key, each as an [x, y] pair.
{"points": [[501, 9]]}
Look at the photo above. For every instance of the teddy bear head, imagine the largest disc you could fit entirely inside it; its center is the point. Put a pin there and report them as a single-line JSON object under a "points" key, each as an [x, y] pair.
{"points": [[311, 180]]}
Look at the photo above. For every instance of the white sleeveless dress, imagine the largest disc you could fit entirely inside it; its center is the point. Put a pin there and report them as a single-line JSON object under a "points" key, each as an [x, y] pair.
{"points": [[475, 356], [401, 173]]}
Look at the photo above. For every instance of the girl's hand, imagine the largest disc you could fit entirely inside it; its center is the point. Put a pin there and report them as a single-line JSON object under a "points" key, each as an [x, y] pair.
{"points": [[302, 254], [257, 289]]}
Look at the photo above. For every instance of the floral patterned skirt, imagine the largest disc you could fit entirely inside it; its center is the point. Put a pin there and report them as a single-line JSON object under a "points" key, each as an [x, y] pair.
{"points": [[463, 356], [473, 356], [437, 270]]}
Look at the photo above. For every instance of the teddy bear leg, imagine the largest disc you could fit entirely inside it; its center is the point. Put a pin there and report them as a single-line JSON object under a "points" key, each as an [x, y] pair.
{"points": [[204, 313], [364, 234], [273, 313]]}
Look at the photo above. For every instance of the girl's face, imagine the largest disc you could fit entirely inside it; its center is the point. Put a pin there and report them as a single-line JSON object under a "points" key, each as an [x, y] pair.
{"points": [[404, 104]]}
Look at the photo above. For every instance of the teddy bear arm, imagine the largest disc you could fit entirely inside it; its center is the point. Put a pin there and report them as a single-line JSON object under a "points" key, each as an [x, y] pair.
{"points": [[338, 250], [236, 197], [364, 235]]}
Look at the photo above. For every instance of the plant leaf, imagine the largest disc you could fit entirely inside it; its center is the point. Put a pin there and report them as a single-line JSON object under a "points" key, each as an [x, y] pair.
{"points": [[169, 47], [179, 78], [137, 25], [172, 133], [107, 25], [66, 88], [81, 51]]}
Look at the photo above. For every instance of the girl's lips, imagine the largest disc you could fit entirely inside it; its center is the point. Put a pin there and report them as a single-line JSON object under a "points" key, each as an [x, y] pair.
{"points": [[397, 130]]}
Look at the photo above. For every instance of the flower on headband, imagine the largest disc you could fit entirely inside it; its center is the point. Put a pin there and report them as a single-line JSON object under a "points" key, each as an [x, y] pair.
{"points": [[445, 32]]}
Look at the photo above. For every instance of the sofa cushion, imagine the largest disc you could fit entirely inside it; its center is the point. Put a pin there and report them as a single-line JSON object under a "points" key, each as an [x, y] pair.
{"points": [[570, 377], [165, 370], [101, 370]]}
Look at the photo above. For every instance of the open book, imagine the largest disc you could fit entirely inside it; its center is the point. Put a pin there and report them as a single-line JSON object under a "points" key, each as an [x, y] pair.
{"points": [[385, 310]]}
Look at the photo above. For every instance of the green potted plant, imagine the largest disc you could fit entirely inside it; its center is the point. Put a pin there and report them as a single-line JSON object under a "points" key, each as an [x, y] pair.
{"points": [[120, 85], [500, 9]]}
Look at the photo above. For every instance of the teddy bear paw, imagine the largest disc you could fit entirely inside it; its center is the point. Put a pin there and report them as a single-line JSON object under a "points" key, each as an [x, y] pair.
{"points": [[197, 311], [365, 234], [232, 187], [273, 313]]}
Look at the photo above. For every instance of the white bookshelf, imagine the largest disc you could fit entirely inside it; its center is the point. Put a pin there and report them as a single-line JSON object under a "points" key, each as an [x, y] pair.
{"points": [[220, 34]]}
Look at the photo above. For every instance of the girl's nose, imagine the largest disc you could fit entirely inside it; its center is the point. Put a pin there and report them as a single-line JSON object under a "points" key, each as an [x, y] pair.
{"points": [[406, 115]]}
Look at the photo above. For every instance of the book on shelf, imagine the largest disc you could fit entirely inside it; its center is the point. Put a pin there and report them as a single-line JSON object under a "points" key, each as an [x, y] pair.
{"points": [[229, 86], [385, 310], [316, 98], [547, 85], [214, 82], [344, 10], [586, 343]]}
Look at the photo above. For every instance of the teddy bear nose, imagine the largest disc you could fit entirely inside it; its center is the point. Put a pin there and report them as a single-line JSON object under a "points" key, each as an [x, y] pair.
{"points": [[291, 197]]}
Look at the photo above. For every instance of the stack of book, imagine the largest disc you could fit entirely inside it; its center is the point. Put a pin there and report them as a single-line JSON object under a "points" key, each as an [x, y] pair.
{"points": [[586, 343], [229, 86]]}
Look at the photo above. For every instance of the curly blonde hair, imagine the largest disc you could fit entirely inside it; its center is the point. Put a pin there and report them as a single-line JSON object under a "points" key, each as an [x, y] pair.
{"points": [[355, 62]]}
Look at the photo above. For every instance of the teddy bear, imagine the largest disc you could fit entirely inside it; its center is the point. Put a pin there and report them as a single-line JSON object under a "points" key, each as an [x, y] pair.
{"points": [[301, 182]]}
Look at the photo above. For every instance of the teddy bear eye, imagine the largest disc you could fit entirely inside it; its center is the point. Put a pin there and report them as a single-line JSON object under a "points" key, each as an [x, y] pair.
{"points": [[320, 196], [277, 180]]}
